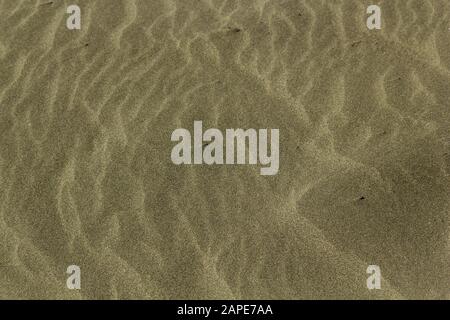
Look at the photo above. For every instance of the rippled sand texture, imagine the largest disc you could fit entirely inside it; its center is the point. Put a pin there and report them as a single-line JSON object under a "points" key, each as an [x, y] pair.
{"points": [[85, 170]]}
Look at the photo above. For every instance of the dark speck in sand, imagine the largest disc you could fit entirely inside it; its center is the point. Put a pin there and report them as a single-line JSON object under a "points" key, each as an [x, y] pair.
{"points": [[362, 198], [236, 30]]}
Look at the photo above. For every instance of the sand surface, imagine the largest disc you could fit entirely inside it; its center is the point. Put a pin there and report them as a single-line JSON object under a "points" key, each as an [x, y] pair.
{"points": [[86, 176]]}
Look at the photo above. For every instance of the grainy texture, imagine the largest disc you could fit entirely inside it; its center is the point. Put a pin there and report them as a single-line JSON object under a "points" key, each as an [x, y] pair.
{"points": [[85, 170]]}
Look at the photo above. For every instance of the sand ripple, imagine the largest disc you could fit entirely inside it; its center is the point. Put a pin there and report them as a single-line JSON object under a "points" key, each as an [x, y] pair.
{"points": [[85, 169]]}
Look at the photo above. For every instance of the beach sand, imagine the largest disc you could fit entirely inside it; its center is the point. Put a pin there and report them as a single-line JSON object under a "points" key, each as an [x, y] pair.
{"points": [[86, 176]]}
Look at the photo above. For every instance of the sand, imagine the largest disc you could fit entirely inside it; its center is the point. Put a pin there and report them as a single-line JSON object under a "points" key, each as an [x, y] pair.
{"points": [[86, 177]]}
